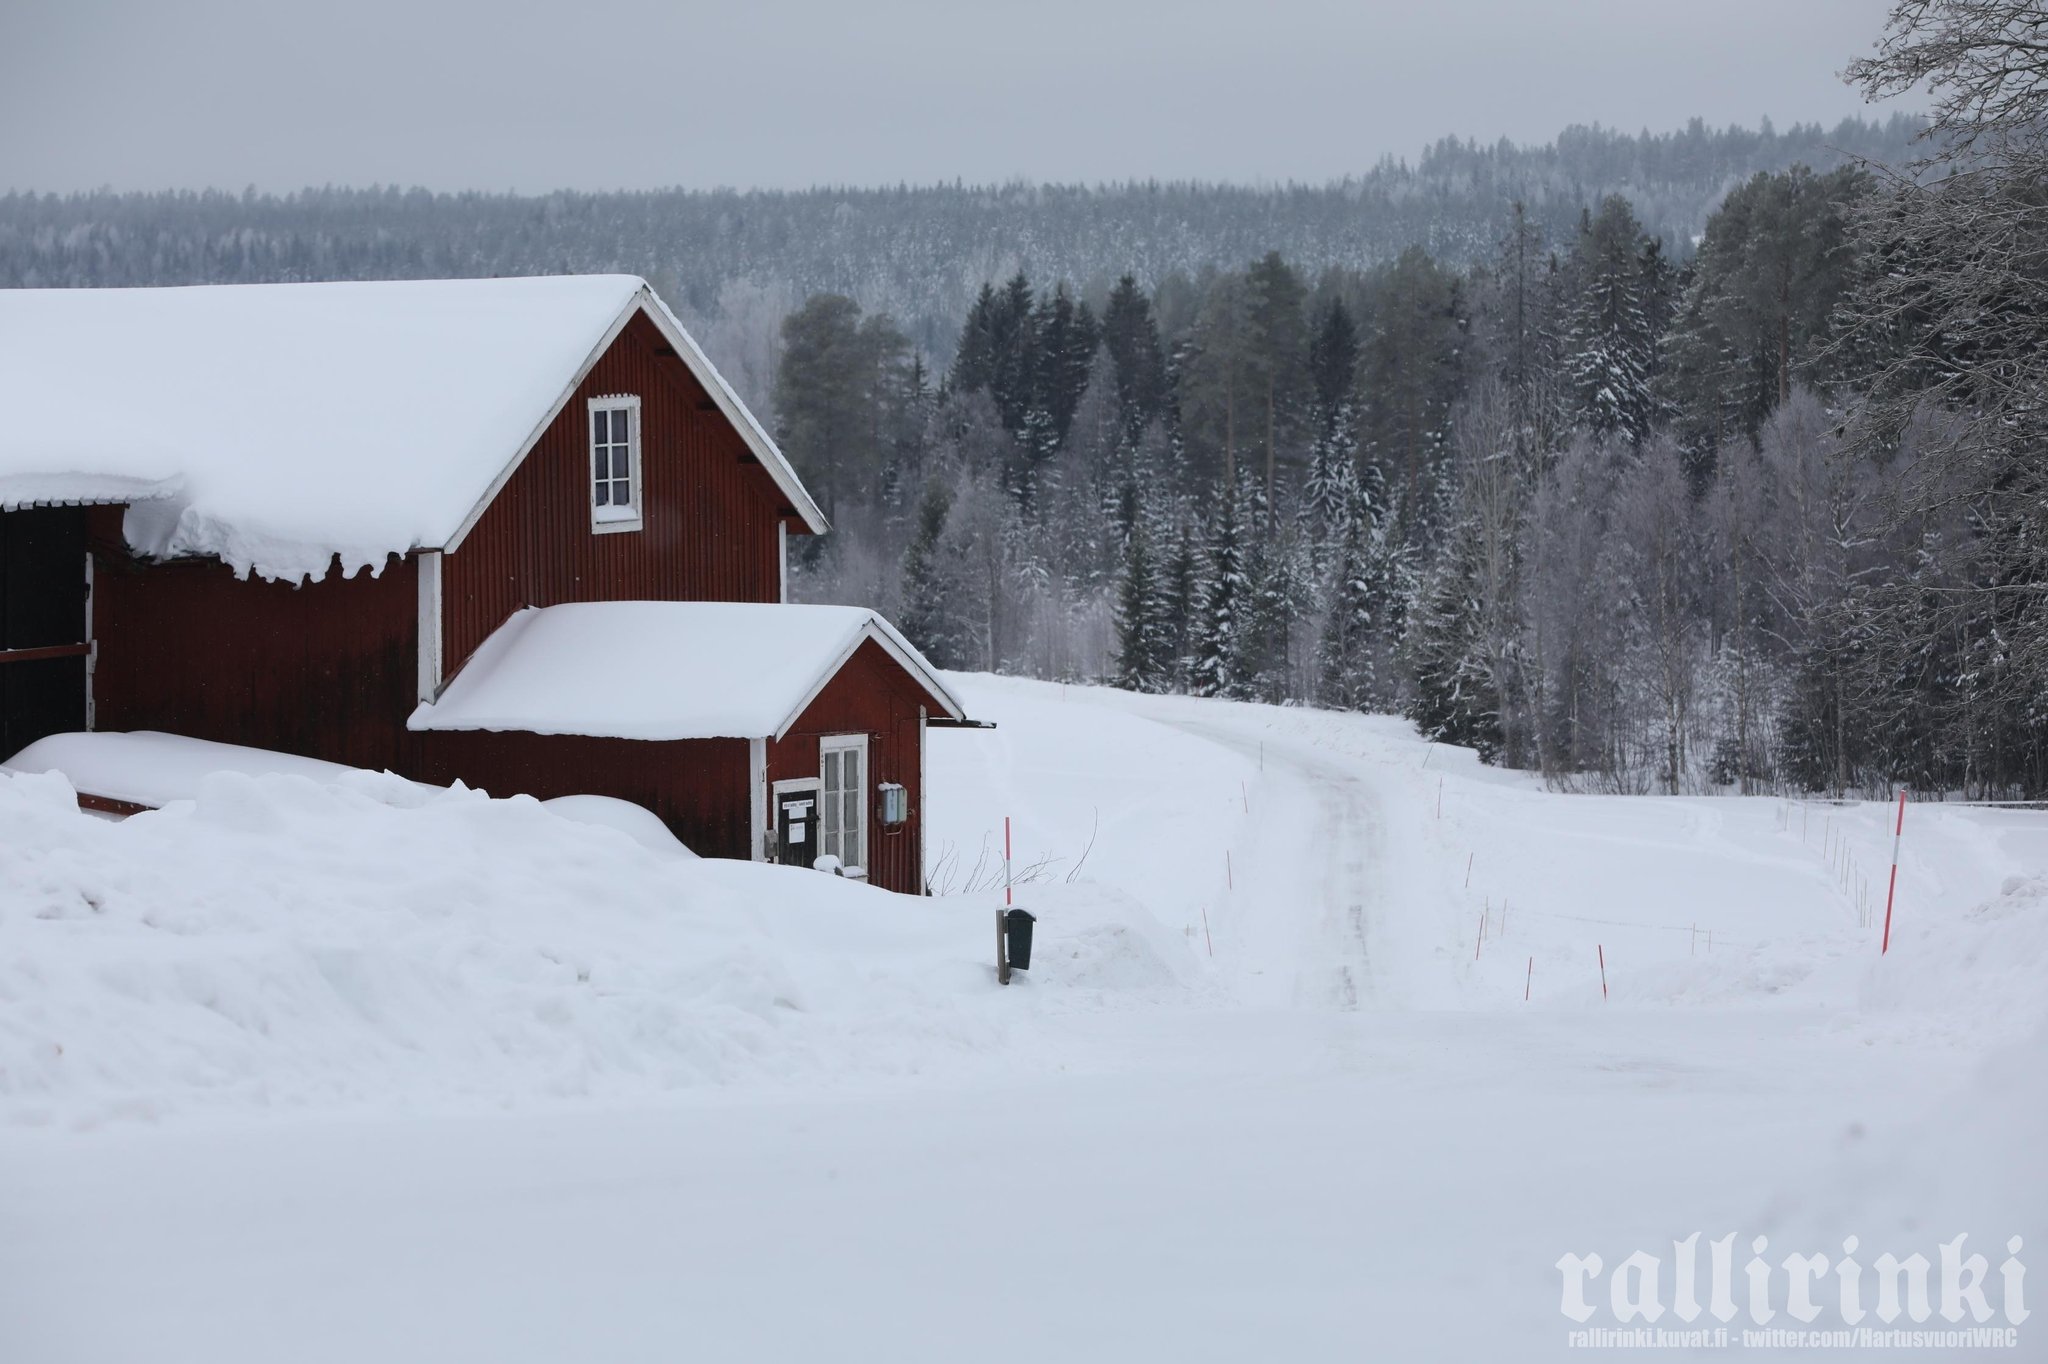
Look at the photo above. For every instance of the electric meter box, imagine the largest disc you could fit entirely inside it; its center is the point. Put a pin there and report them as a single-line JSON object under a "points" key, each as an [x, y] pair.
{"points": [[895, 803]]}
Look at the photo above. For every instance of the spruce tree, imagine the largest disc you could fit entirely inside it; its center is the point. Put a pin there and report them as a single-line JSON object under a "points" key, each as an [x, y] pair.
{"points": [[925, 620], [1180, 598], [1344, 656], [1454, 699], [1142, 661], [1225, 589], [1612, 337], [1131, 337]]}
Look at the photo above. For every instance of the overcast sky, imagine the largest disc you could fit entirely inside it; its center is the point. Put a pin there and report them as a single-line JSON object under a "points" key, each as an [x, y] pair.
{"points": [[593, 94]]}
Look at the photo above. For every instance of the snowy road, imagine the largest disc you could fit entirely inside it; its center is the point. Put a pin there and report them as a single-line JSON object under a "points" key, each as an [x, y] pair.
{"points": [[1328, 850], [1344, 1135]]}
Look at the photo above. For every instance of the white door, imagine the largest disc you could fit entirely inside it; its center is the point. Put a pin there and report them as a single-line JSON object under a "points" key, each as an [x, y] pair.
{"points": [[843, 798]]}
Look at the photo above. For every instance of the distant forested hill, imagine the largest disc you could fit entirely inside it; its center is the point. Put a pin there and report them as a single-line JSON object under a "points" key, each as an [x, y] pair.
{"points": [[736, 263]]}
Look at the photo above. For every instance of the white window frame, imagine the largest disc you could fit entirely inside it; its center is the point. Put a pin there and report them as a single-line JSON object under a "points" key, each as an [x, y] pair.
{"points": [[846, 743], [609, 520]]}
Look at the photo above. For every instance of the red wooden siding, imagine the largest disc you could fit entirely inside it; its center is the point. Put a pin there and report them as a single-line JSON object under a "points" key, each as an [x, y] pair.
{"points": [[872, 695], [697, 786], [709, 513], [326, 670]]}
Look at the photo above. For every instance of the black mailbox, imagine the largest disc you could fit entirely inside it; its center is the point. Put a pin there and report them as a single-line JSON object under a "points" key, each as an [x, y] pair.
{"points": [[1017, 929]]}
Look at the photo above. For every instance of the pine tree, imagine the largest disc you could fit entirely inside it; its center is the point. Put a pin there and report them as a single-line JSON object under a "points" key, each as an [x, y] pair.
{"points": [[1280, 351]]}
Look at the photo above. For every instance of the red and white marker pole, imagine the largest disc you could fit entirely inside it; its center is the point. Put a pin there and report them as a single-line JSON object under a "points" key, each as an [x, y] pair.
{"points": [[1893, 889], [1602, 950], [1006, 860]]}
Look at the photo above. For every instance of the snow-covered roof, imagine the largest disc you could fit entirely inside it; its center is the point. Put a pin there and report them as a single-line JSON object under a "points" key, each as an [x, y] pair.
{"points": [[81, 490], [145, 767], [664, 670], [281, 425]]}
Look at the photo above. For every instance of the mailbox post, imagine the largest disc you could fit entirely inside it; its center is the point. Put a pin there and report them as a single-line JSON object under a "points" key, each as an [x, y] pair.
{"points": [[1013, 942]]}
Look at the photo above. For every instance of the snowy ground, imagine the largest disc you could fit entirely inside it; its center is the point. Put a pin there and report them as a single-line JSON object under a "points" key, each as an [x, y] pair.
{"points": [[298, 1074]]}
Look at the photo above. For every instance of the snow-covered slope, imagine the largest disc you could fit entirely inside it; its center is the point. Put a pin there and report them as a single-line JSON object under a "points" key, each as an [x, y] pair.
{"points": [[1266, 1092], [280, 943]]}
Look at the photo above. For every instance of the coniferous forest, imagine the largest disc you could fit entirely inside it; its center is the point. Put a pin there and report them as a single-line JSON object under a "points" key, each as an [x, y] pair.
{"points": [[1689, 463]]}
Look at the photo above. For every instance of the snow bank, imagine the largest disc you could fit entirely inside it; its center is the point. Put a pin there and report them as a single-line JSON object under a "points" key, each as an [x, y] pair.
{"points": [[145, 767], [636, 822], [279, 943]]}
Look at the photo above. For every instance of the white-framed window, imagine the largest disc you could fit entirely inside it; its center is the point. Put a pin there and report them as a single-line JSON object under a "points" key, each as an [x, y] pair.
{"points": [[843, 798], [615, 463]]}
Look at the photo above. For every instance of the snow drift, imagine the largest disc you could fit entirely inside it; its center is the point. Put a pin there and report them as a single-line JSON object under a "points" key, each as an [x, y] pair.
{"points": [[280, 943]]}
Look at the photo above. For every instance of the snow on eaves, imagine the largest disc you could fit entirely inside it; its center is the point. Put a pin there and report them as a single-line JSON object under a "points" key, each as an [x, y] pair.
{"points": [[288, 428], [19, 491], [663, 670]]}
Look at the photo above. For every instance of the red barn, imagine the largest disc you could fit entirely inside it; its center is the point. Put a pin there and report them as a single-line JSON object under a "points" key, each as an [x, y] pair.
{"points": [[370, 523]]}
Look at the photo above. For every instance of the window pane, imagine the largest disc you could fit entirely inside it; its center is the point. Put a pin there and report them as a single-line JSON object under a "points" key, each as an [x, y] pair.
{"points": [[830, 766], [851, 826], [597, 428], [622, 493], [599, 497], [619, 427], [852, 769]]}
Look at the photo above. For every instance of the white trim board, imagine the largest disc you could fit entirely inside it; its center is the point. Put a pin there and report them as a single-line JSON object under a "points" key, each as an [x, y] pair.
{"points": [[757, 798], [427, 565]]}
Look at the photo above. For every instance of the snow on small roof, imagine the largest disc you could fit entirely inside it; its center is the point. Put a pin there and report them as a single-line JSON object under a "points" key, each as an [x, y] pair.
{"points": [[664, 670], [287, 424], [146, 767]]}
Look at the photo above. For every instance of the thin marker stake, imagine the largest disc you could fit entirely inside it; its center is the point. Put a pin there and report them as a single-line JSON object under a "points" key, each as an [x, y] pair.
{"points": [[1481, 941], [1528, 980], [1205, 931], [1468, 870], [1893, 889], [1603, 969], [1229, 877], [1006, 856], [1245, 795]]}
